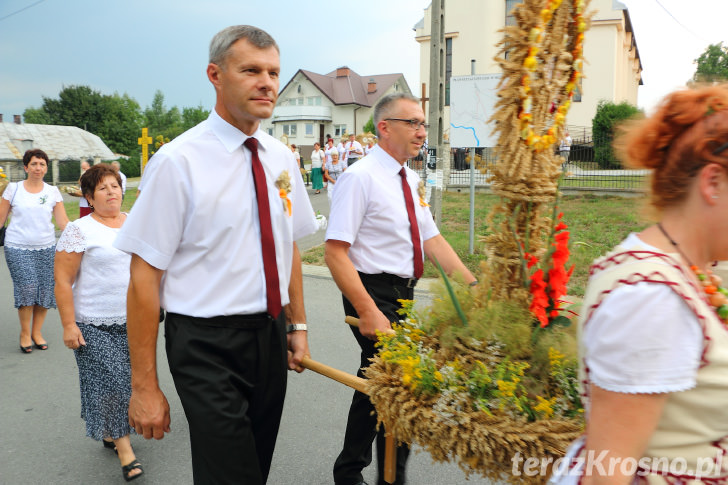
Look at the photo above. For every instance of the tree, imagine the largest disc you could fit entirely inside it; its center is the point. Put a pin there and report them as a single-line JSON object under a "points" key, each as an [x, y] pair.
{"points": [[369, 126], [122, 123], [36, 116], [163, 121], [712, 64], [115, 119], [605, 121], [193, 116]]}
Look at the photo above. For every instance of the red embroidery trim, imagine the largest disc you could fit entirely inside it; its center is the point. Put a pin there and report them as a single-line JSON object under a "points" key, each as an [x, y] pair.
{"points": [[654, 277]]}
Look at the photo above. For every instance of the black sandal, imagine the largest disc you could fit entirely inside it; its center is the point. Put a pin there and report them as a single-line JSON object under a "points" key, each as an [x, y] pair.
{"points": [[43, 346], [110, 445], [126, 469]]}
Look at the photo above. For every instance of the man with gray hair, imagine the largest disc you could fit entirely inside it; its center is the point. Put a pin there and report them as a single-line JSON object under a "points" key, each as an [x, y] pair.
{"points": [[213, 243], [375, 245]]}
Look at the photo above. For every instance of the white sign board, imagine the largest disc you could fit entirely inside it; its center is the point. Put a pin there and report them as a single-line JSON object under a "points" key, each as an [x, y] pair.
{"points": [[472, 103]]}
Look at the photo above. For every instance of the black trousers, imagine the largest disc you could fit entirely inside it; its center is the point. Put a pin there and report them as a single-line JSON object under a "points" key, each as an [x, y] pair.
{"points": [[230, 374], [361, 431]]}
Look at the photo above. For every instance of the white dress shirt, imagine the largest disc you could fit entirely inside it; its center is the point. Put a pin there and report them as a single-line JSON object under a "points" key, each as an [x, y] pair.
{"points": [[123, 182], [197, 219], [368, 211], [353, 146]]}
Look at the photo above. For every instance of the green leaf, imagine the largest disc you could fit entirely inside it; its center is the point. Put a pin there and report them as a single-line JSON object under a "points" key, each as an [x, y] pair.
{"points": [[561, 320], [451, 292]]}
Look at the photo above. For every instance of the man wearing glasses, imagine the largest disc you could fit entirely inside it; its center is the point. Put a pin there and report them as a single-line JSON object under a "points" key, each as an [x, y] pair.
{"points": [[379, 231]]}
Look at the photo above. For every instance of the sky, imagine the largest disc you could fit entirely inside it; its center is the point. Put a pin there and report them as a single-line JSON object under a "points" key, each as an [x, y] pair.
{"points": [[140, 46]]}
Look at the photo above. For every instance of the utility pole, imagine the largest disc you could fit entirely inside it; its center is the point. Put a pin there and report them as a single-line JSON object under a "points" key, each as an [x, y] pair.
{"points": [[437, 102]]}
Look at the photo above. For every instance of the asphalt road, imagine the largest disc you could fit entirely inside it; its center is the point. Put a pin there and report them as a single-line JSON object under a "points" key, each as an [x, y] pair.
{"points": [[42, 438]]}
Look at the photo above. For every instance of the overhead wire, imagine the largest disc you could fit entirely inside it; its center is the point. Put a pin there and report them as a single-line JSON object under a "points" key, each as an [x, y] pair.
{"points": [[21, 10], [678, 22]]}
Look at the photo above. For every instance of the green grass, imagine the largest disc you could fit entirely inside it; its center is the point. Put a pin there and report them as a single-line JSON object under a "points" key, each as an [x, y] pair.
{"points": [[633, 182], [596, 223]]}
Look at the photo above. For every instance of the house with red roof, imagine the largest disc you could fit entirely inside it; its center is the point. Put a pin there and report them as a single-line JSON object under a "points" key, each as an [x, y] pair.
{"points": [[311, 106]]}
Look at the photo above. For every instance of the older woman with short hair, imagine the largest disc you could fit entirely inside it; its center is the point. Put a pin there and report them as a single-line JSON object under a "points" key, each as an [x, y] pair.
{"points": [[92, 278], [29, 246], [332, 172]]}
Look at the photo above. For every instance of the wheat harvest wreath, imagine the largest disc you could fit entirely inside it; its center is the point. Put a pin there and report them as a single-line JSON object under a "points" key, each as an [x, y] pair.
{"points": [[485, 374]]}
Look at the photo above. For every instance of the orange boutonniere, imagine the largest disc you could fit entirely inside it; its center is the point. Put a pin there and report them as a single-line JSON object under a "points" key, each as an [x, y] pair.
{"points": [[284, 188], [421, 192]]}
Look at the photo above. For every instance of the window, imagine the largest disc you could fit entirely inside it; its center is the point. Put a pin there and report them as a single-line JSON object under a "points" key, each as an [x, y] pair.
{"points": [[577, 92], [270, 131], [448, 69], [339, 130], [297, 101], [309, 129], [289, 130], [313, 101], [510, 19]]}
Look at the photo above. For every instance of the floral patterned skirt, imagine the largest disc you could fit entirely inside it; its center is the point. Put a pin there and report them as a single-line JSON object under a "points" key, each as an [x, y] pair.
{"points": [[32, 274], [104, 373]]}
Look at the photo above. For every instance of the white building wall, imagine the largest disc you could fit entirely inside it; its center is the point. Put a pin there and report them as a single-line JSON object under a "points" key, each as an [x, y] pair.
{"points": [[611, 71]]}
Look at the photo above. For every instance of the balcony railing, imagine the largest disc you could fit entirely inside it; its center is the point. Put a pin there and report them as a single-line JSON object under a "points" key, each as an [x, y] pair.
{"points": [[298, 113]]}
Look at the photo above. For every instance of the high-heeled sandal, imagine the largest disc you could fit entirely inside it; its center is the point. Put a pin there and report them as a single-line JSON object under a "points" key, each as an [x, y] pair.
{"points": [[126, 469], [110, 445], [43, 346]]}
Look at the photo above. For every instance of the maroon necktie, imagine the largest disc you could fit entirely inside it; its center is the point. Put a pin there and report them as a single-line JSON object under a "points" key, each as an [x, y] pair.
{"points": [[414, 228], [272, 289]]}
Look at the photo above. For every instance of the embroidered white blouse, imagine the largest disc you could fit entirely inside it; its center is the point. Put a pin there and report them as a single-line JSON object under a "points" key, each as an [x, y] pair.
{"points": [[99, 292]]}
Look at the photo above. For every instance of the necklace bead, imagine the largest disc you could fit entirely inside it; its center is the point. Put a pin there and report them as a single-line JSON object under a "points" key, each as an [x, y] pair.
{"points": [[716, 294]]}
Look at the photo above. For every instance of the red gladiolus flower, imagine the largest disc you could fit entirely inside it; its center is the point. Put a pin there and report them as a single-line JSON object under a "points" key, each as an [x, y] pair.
{"points": [[531, 260], [539, 300]]}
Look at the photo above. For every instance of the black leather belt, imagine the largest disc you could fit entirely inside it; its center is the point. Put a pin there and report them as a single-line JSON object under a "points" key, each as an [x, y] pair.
{"points": [[390, 278]]}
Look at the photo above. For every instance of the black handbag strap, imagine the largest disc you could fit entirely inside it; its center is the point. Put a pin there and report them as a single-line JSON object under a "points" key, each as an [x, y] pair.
{"points": [[5, 224]]}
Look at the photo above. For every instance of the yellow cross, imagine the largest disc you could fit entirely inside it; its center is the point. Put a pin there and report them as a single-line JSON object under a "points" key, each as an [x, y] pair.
{"points": [[145, 140]]}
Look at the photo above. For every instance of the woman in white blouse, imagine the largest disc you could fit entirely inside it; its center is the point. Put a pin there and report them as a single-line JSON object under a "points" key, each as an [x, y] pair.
{"points": [[317, 162], [654, 343], [92, 278], [29, 246]]}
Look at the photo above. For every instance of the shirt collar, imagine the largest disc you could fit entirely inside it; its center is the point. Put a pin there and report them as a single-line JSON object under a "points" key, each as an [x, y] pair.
{"points": [[389, 164], [231, 137]]}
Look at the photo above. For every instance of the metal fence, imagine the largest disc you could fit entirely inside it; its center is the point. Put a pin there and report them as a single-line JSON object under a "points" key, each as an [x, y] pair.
{"points": [[587, 166], [69, 171]]}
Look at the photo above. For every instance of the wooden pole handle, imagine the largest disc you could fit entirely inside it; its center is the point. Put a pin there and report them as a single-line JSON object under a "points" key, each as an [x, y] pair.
{"points": [[339, 376], [390, 452]]}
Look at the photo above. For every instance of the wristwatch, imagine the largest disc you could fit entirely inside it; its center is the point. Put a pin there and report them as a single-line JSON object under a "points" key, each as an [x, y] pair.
{"points": [[293, 327]]}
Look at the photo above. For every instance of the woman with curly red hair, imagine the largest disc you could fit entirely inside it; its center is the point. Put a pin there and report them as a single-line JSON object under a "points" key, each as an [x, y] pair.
{"points": [[653, 338]]}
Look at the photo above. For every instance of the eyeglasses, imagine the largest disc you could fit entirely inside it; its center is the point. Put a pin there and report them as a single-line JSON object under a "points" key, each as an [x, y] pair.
{"points": [[414, 124]]}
